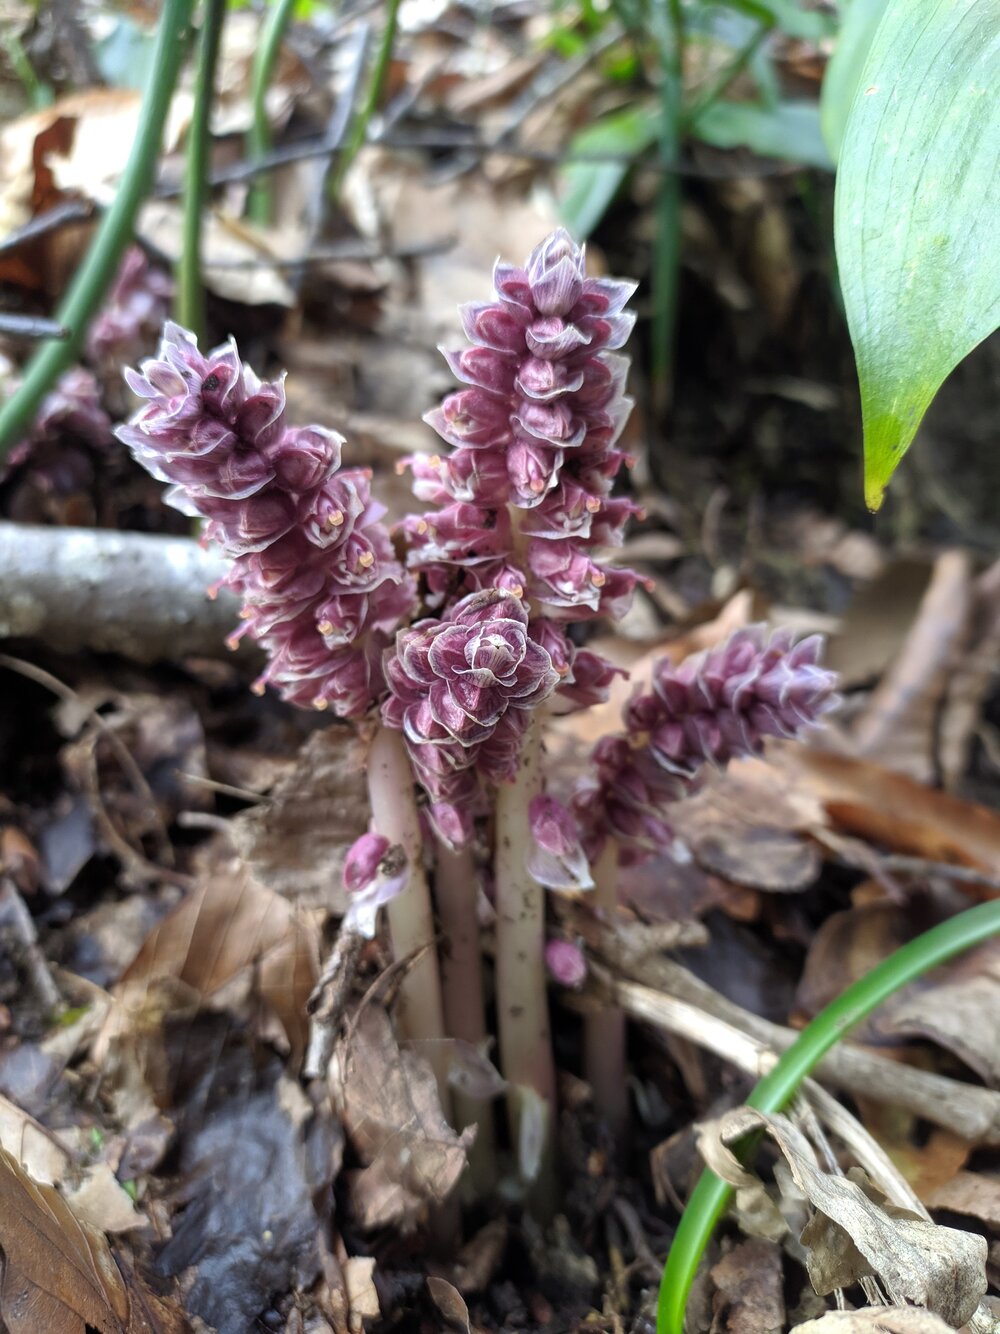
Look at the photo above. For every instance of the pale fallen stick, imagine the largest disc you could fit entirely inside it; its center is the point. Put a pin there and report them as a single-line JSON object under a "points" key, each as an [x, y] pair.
{"points": [[966, 1109], [136, 594]]}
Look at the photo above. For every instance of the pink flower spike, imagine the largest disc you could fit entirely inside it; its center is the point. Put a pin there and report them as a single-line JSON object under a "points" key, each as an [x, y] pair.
{"points": [[556, 858], [374, 873], [566, 962]]}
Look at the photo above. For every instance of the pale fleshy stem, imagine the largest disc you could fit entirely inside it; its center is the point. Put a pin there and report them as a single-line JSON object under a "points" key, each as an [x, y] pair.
{"points": [[456, 892], [522, 999], [604, 1031], [411, 919]]}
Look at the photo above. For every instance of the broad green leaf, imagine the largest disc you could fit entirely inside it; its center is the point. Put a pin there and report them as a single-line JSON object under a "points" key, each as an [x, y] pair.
{"points": [[586, 189], [840, 81], [789, 130], [916, 215]]}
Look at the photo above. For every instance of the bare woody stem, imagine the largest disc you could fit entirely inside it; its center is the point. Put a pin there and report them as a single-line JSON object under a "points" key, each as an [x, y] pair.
{"points": [[411, 919], [522, 999], [604, 1031], [455, 894]]}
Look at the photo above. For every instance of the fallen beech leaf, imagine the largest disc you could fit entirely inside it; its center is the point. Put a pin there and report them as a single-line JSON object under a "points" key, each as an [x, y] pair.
{"points": [[450, 1302], [876, 1320], [749, 1297], [36, 1149], [58, 1274], [872, 802], [850, 1236], [392, 1114], [228, 930], [877, 621], [295, 841]]}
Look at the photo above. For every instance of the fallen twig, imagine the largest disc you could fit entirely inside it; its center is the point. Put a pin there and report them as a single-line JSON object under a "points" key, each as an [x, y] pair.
{"points": [[328, 1002], [130, 593], [710, 1020]]}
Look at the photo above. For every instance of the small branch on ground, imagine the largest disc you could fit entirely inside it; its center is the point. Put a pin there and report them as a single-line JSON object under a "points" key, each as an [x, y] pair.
{"points": [[75, 589], [328, 1002]]}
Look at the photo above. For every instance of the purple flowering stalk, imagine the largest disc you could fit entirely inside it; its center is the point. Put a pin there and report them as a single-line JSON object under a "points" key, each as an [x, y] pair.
{"points": [[457, 630]]}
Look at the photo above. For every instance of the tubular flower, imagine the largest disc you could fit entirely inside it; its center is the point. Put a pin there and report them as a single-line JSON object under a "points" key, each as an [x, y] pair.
{"points": [[461, 689], [322, 589], [714, 707], [526, 488]]}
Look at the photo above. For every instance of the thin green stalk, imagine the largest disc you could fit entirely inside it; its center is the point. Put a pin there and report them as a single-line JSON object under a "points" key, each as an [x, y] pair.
{"points": [[265, 60], [359, 127], [732, 71], [190, 300], [94, 276], [711, 1195], [668, 26], [39, 94]]}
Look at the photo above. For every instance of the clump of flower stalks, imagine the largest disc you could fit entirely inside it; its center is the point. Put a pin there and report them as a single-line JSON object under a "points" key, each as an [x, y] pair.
{"points": [[457, 637]]}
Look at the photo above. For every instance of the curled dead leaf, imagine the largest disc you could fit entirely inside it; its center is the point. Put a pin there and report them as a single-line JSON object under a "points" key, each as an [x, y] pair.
{"points": [[876, 1320], [851, 1236]]}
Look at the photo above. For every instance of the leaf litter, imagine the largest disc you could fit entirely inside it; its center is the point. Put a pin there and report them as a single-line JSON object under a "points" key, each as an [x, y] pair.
{"points": [[177, 845]]}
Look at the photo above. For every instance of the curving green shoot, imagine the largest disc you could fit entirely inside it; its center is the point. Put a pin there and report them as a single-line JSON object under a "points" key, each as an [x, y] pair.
{"points": [[711, 1195]]}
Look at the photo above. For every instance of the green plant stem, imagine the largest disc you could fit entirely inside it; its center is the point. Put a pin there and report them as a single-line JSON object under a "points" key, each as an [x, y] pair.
{"points": [[362, 120], [711, 1195], [92, 279], [732, 71], [259, 141], [190, 299], [668, 26]]}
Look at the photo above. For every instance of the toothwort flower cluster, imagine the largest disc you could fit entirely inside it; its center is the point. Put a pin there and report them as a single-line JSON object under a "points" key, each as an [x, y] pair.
{"points": [[322, 590], [523, 506], [714, 707]]}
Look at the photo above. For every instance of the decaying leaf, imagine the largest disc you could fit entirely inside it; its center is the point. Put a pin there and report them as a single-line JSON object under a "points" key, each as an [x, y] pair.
{"points": [[295, 841], [851, 1236], [392, 1114], [749, 1297], [976, 1194], [58, 1274], [256, 1170], [876, 1320]]}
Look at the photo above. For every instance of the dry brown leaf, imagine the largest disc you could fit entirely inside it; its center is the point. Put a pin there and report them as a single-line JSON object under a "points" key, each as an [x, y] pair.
{"points": [[884, 807], [851, 1236], [730, 843], [876, 1320], [296, 840], [974, 1193], [228, 932], [749, 1297], [450, 1302], [392, 1114], [359, 1271], [58, 1274], [900, 722]]}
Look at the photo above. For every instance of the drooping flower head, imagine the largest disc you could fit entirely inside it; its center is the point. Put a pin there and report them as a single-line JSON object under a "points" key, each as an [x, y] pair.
{"points": [[713, 707]]}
